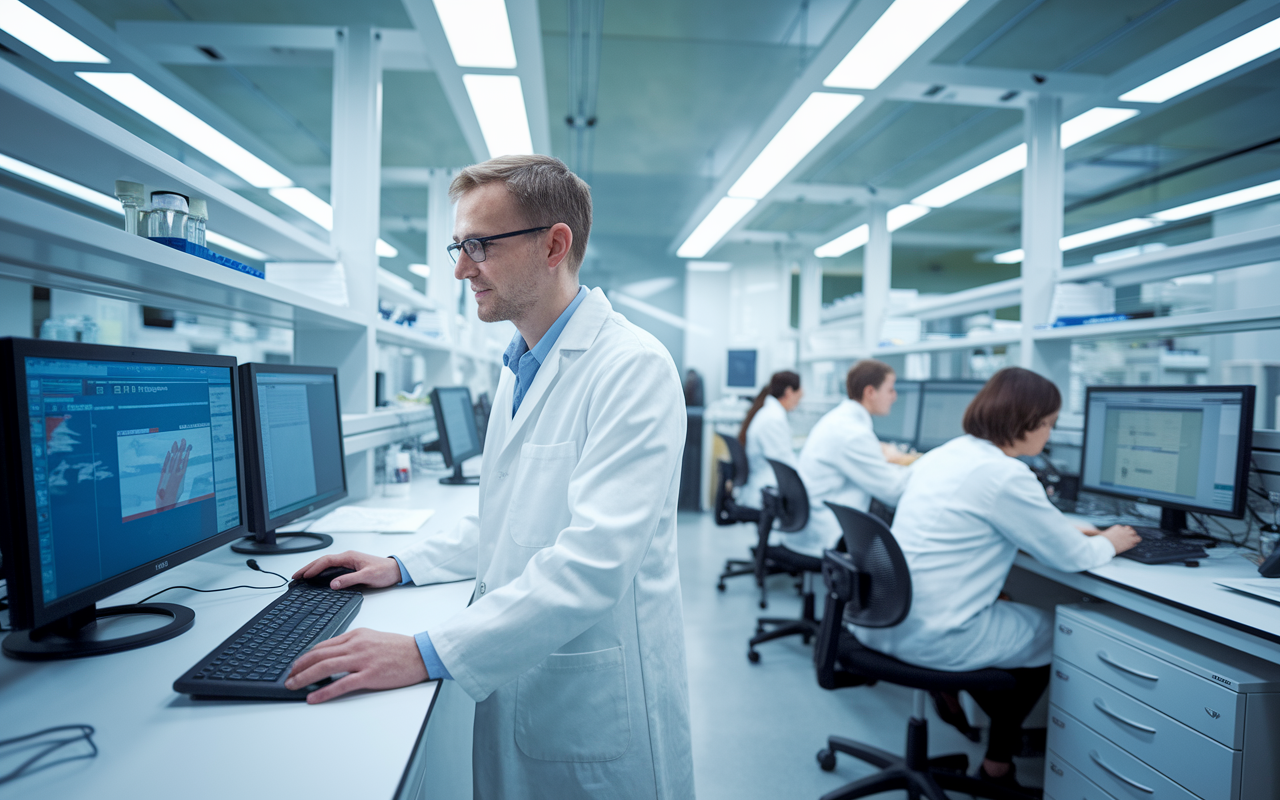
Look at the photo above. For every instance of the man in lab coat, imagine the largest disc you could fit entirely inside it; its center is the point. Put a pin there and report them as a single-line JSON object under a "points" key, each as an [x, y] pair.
{"points": [[573, 645]]}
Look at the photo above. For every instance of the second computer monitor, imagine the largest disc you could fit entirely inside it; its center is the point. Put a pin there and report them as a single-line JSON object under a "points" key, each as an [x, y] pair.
{"points": [[942, 407], [900, 424], [456, 426], [293, 451]]}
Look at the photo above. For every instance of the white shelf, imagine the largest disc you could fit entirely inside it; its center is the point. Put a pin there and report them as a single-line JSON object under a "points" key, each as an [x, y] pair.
{"points": [[1207, 255], [946, 345], [389, 290], [46, 245], [390, 333], [1209, 322], [50, 130], [385, 426]]}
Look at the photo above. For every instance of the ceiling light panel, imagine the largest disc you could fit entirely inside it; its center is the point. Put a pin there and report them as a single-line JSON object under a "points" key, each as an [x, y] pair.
{"points": [[905, 215], [1091, 123], [1222, 201], [816, 117], [498, 101], [843, 244], [1218, 61], [898, 33], [44, 37], [130, 90], [1112, 231], [306, 204], [727, 213], [478, 31], [421, 270], [385, 250], [708, 266], [983, 175], [37, 175]]}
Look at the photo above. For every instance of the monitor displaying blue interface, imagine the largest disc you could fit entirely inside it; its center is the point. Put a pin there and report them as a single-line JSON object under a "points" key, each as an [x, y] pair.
{"points": [[741, 372], [900, 424], [302, 463], [1183, 448], [942, 407], [130, 462]]}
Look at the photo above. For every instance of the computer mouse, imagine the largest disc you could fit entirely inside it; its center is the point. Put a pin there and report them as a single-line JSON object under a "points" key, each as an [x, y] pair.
{"points": [[1191, 563], [326, 575]]}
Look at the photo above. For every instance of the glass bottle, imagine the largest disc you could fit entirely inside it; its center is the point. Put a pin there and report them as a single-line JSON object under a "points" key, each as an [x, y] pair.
{"points": [[132, 197], [197, 221], [168, 216]]}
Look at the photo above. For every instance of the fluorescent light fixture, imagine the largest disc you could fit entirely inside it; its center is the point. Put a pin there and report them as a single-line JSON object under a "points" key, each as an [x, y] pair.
{"points": [[138, 95], [218, 240], [1091, 123], [843, 244], [478, 31], [385, 250], [1222, 201], [44, 37], [1112, 231], [899, 32], [648, 288], [25, 170], [983, 175], [498, 101], [1008, 257], [708, 266], [712, 229], [817, 116], [306, 204], [905, 214], [1218, 61], [1129, 252], [421, 270]]}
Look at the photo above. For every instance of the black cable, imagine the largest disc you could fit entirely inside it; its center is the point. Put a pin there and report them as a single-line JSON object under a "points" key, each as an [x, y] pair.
{"points": [[85, 732], [251, 563]]}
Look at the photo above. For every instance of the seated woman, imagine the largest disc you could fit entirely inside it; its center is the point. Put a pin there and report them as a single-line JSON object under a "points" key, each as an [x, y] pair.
{"points": [[969, 506], [766, 434], [843, 461]]}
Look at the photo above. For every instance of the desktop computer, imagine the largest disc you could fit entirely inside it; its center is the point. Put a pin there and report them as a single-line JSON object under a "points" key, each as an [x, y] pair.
{"points": [[942, 407], [901, 424], [293, 452], [459, 439], [117, 464]]}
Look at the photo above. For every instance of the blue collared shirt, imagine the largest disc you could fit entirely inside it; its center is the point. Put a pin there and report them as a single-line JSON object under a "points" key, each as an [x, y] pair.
{"points": [[525, 362]]}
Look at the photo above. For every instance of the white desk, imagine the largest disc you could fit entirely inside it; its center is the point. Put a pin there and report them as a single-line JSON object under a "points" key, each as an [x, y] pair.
{"points": [[155, 743]]}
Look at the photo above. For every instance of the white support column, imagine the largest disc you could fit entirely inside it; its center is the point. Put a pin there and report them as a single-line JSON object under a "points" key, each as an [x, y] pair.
{"points": [[810, 299], [877, 273], [1042, 209], [442, 287]]}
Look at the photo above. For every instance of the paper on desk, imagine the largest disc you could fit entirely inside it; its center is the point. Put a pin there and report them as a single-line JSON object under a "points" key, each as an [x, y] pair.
{"points": [[1258, 587], [360, 519]]}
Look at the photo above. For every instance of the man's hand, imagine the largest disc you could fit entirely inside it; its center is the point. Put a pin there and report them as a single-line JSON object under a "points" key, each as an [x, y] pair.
{"points": [[1122, 537], [172, 474], [372, 571], [372, 660]]}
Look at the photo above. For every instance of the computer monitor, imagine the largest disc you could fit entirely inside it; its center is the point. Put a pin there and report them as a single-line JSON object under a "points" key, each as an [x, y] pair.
{"points": [[292, 452], [1183, 448], [456, 424], [942, 406], [117, 464], [902, 421], [741, 369]]}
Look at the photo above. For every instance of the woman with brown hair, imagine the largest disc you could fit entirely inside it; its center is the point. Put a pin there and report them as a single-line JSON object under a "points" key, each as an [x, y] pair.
{"points": [[969, 506], [766, 434]]}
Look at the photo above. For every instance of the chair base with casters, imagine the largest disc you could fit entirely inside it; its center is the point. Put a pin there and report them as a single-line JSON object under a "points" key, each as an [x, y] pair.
{"points": [[791, 503]]}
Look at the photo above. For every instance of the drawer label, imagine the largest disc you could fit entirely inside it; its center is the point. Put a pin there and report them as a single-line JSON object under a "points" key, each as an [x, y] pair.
{"points": [[1222, 681]]}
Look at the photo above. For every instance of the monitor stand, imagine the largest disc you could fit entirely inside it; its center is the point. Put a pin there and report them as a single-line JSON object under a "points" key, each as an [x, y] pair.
{"points": [[458, 479], [1173, 523], [70, 637], [266, 545]]}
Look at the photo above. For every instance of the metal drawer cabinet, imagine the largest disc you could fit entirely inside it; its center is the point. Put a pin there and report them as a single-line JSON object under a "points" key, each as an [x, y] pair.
{"points": [[1061, 780], [1104, 764]]}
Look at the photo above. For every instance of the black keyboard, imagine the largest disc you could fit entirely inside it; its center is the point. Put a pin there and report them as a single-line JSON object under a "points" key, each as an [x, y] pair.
{"points": [[1157, 547], [254, 661]]}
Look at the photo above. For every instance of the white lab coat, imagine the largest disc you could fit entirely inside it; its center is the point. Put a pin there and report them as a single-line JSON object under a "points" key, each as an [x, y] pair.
{"points": [[573, 645], [967, 510], [768, 437], [841, 461]]}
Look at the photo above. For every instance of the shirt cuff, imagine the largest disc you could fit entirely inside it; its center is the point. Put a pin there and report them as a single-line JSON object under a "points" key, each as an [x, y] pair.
{"points": [[404, 573], [435, 667]]}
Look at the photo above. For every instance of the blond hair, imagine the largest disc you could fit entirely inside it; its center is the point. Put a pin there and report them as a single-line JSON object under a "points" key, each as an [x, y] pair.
{"points": [[545, 190]]}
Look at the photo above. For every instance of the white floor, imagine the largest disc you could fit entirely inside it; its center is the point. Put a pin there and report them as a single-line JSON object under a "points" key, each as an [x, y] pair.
{"points": [[757, 727]]}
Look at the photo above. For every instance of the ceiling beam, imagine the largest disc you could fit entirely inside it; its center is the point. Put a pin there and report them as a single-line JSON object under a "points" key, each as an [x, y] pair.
{"points": [[526, 35]]}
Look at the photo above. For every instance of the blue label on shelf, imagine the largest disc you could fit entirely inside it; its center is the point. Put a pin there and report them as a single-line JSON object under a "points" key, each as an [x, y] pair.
{"points": [[208, 255]]}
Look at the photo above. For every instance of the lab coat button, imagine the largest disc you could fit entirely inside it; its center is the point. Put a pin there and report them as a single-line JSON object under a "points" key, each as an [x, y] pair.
{"points": [[481, 587]]}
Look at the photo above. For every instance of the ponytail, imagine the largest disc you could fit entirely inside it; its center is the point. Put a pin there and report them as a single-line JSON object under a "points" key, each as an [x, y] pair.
{"points": [[778, 386]]}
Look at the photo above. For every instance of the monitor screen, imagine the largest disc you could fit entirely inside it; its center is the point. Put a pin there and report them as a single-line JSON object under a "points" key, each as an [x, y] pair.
{"points": [[942, 406], [456, 423], [128, 462], [1178, 447], [900, 424], [741, 371], [298, 434]]}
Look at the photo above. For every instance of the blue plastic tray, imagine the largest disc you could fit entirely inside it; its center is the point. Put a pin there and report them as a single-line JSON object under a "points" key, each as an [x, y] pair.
{"points": [[208, 255]]}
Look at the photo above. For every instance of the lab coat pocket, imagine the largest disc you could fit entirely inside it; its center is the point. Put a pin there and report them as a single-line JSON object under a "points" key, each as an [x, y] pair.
{"points": [[540, 493], [573, 707]]}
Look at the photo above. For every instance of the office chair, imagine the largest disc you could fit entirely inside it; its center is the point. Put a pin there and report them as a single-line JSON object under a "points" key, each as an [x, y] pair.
{"points": [[789, 505], [733, 475], [870, 586]]}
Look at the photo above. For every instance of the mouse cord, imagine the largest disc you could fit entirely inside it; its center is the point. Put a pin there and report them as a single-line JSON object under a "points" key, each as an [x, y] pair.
{"points": [[252, 564]]}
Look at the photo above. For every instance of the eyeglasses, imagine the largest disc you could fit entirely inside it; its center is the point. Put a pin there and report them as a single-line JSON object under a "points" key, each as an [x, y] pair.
{"points": [[475, 247]]}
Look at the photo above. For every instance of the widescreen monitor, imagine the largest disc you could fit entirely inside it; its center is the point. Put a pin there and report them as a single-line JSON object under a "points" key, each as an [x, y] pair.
{"points": [[1181, 448], [118, 463], [740, 370], [293, 452], [902, 421], [456, 425], [942, 407]]}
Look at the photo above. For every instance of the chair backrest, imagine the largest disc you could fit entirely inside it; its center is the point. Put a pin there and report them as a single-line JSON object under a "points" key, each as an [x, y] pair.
{"points": [[883, 592], [738, 457], [792, 509]]}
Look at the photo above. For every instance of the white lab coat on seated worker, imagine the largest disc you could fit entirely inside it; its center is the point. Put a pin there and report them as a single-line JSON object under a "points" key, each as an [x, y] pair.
{"points": [[967, 510], [573, 645], [841, 461], [768, 437]]}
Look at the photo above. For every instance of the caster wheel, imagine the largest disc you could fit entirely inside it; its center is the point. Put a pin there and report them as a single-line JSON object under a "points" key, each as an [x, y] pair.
{"points": [[720, 587], [753, 656], [826, 760]]}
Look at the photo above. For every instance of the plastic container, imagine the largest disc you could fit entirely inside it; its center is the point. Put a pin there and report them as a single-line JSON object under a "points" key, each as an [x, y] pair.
{"points": [[197, 221], [399, 476], [167, 218], [132, 196]]}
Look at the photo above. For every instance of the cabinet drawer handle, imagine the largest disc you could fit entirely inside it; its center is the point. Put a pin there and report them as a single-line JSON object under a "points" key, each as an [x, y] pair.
{"points": [[1098, 760], [1106, 659], [1098, 705]]}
